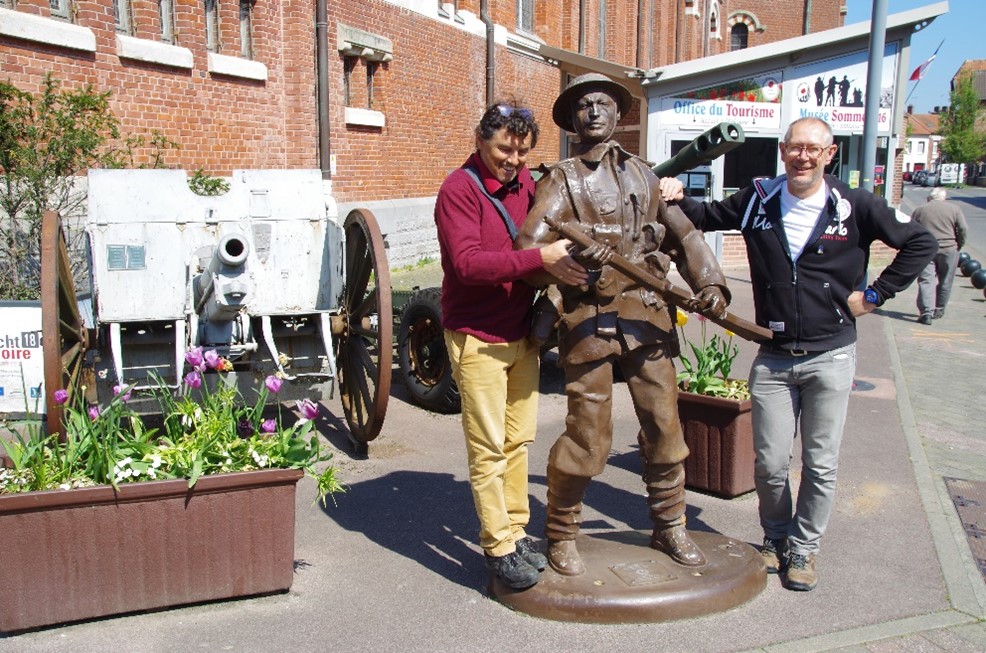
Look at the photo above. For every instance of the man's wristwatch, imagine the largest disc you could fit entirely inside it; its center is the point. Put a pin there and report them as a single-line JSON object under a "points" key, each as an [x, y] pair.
{"points": [[871, 296]]}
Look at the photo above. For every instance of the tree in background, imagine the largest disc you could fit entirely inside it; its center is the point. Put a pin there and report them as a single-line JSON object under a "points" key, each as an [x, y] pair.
{"points": [[46, 141], [963, 140]]}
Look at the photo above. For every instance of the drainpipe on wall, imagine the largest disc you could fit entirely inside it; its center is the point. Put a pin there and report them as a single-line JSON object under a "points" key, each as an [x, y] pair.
{"points": [[581, 26], [641, 34], [322, 71], [484, 15], [678, 36], [807, 23]]}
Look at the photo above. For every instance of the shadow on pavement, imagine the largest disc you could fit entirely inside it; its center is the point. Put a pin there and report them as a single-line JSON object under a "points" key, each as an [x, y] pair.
{"points": [[423, 516]]}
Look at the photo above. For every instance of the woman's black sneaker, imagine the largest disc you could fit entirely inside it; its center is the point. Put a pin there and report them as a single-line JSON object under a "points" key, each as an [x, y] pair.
{"points": [[513, 570], [528, 550]]}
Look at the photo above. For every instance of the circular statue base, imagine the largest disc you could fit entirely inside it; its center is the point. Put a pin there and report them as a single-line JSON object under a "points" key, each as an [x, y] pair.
{"points": [[626, 581]]}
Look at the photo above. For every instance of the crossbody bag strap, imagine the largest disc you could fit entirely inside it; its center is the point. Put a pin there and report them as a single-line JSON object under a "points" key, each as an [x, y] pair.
{"points": [[508, 222]]}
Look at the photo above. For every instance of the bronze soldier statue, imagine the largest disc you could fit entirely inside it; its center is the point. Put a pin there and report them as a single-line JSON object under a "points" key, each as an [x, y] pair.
{"points": [[615, 198]]}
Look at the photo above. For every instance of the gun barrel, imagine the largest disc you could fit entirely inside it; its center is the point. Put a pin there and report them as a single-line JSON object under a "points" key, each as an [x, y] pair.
{"points": [[709, 145]]}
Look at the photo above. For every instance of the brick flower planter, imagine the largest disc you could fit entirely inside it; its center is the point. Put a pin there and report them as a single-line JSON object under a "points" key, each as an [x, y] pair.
{"points": [[92, 552], [719, 435]]}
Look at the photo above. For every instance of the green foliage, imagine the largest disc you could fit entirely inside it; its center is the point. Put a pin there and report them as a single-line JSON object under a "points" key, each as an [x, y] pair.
{"points": [[708, 373], [962, 141], [128, 157], [208, 429], [207, 185], [45, 140]]}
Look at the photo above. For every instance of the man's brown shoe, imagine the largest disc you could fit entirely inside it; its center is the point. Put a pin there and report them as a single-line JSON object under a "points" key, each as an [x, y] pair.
{"points": [[772, 553], [679, 546], [801, 576], [564, 558]]}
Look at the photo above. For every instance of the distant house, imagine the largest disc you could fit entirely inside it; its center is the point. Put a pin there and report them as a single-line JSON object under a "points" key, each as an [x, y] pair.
{"points": [[977, 68], [921, 150]]}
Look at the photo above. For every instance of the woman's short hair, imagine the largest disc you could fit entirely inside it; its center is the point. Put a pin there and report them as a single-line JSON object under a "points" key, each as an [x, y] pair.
{"points": [[518, 120]]}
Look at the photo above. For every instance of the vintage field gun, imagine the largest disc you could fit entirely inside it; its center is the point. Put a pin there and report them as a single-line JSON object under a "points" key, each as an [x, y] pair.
{"points": [[259, 273]]}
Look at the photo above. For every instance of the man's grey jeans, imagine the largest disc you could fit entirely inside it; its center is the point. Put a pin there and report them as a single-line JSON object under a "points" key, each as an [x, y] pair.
{"points": [[809, 394], [935, 281]]}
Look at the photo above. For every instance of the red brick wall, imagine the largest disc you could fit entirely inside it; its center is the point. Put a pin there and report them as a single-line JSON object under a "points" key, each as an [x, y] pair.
{"points": [[221, 123], [432, 94]]}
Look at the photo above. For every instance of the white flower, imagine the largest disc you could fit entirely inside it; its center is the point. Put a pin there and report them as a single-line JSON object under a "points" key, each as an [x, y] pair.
{"points": [[156, 461]]}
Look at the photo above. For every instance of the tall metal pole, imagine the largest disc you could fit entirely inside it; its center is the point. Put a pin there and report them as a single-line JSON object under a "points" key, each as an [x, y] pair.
{"points": [[874, 77]]}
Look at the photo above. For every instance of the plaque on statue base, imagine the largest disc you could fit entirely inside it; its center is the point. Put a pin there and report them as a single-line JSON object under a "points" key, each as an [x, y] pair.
{"points": [[626, 581]]}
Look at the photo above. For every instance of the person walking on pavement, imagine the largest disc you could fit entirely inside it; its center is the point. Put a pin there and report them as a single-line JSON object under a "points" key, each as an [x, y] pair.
{"points": [[947, 224], [614, 320], [807, 236], [486, 313]]}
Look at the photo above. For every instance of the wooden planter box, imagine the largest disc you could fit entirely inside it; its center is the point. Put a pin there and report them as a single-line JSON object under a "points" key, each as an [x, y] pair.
{"points": [[91, 552], [719, 435]]}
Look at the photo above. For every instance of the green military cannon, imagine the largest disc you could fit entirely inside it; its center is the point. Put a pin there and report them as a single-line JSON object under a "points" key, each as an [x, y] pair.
{"points": [[723, 138]]}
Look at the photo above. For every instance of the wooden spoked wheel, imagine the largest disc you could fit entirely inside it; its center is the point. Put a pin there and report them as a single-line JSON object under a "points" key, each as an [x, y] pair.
{"points": [[64, 335], [365, 349]]}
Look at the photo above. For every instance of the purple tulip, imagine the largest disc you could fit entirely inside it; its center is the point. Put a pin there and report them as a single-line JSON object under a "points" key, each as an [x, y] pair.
{"points": [[94, 413], [193, 379], [308, 410], [244, 428], [61, 396], [268, 426], [194, 357], [212, 359], [273, 383], [118, 391]]}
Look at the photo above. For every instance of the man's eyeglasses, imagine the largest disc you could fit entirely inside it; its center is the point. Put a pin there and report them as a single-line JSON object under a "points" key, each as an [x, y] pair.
{"points": [[506, 111], [813, 151]]}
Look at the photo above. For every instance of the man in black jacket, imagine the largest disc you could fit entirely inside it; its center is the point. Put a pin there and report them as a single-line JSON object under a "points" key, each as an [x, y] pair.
{"points": [[807, 237]]}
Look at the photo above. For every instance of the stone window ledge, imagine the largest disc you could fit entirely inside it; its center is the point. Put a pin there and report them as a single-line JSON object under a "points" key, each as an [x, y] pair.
{"points": [[50, 31], [128, 47], [367, 117], [221, 64]]}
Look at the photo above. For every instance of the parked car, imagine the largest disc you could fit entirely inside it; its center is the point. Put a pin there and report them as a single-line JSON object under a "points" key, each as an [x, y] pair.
{"points": [[906, 176], [919, 177]]}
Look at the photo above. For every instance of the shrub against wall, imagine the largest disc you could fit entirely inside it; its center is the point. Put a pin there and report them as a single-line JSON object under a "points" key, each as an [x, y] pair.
{"points": [[46, 141]]}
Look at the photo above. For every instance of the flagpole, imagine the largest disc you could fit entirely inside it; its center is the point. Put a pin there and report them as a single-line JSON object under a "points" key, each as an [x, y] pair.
{"points": [[911, 91]]}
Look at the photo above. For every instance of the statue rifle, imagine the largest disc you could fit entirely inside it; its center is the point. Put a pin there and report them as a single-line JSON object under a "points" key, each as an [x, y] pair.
{"points": [[670, 292]]}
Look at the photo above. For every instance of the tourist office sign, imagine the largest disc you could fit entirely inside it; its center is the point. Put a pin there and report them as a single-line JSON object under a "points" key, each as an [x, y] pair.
{"points": [[830, 89], [835, 91], [753, 102]]}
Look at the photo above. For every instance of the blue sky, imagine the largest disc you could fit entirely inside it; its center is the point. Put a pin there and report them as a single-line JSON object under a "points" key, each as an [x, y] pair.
{"points": [[961, 29]]}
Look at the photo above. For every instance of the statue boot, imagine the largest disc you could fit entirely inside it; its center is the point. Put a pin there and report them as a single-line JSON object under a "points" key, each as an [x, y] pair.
{"points": [[563, 520], [666, 499]]}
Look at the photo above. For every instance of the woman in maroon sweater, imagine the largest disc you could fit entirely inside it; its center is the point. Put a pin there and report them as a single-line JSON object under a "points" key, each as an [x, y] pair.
{"points": [[486, 316]]}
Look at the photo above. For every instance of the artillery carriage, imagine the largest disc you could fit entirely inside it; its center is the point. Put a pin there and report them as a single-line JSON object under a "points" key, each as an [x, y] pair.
{"points": [[260, 273]]}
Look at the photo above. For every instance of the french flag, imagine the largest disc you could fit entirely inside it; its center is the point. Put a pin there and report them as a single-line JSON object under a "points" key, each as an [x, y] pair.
{"points": [[923, 68]]}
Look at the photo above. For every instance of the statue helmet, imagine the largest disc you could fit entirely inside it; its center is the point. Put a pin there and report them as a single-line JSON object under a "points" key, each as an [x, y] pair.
{"points": [[561, 112]]}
